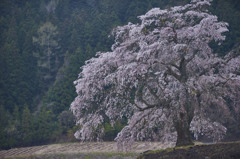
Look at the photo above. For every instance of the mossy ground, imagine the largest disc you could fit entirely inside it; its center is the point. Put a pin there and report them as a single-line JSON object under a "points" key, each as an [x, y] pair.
{"points": [[213, 151]]}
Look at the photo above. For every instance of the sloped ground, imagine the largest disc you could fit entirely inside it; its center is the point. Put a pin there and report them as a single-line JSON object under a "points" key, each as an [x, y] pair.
{"points": [[21, 151], [85, 150], [214, 151]]}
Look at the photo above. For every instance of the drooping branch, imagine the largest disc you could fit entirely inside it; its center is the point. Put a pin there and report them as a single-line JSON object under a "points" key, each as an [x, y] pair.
{"points": [[172, 73]]}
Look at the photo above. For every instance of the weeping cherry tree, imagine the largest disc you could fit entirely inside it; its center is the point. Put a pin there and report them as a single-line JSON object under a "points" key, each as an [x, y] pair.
{"points": [[162, 76]]}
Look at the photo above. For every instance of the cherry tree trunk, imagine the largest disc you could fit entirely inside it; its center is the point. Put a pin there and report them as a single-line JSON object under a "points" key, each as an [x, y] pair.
{"points": [[182, 127]]}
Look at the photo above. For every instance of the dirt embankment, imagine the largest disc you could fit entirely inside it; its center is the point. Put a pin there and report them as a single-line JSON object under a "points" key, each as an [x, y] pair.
{"points": [[107, 150], [213, 151]]}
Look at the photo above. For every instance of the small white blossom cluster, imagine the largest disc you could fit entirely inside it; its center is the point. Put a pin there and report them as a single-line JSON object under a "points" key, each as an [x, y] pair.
{"points": [[205, 127], [158, 75]]}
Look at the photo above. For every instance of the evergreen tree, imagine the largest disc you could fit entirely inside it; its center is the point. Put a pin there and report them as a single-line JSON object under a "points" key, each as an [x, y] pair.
{"points": [[26, 125], [48, 55]]}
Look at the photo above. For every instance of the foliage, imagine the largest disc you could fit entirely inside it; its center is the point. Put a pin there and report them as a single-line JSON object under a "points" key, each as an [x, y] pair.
{"points": [[66, 120]]}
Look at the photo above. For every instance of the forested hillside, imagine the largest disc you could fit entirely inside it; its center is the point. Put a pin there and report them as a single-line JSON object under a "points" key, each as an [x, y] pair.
{"points": [[44, 43]]}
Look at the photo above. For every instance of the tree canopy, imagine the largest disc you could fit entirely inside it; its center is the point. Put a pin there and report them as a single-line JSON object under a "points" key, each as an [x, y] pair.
{"points": [[162, 76]]}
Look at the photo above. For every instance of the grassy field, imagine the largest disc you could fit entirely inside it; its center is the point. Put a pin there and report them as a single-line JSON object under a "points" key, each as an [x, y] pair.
{"points": [[84, 150]]}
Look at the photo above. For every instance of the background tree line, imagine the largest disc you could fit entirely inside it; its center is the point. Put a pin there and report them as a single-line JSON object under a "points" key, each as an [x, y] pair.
{"points": [[44, 43]]}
